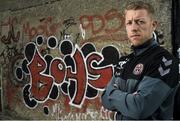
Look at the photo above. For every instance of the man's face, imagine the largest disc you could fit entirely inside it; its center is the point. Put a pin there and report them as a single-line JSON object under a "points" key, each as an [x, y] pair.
{"points": [[139, 26]]}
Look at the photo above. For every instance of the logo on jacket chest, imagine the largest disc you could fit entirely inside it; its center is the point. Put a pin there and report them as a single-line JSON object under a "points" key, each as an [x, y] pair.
{"points": [[138, 69]]}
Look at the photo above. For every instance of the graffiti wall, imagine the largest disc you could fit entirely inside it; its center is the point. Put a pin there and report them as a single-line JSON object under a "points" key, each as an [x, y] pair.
{"points": [[57, 57]]}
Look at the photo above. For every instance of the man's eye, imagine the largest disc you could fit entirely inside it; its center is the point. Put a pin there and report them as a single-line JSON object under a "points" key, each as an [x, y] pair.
{"points": [[141, 22], [128, 23]]}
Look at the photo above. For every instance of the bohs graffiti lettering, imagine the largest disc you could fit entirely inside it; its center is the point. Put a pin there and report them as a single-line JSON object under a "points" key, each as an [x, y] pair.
{"points": [[80, 73]]}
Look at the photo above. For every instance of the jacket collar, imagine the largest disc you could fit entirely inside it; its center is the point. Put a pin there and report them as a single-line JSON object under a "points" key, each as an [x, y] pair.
{"points": [[141, 48]]}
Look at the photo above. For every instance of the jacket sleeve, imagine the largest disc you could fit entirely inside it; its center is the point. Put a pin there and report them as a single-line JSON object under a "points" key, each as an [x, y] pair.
{"points": [[105, 96], [149, 96]]}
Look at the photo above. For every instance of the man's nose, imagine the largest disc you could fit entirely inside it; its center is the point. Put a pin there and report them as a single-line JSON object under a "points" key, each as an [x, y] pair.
{"points": [[134, 26]]}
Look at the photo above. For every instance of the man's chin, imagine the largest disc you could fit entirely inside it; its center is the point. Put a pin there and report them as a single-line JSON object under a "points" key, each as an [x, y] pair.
{"points": [[136, 42]]}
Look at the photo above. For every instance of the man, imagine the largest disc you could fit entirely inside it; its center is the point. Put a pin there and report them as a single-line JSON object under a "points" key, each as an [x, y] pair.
{"points": [[144, 82]]}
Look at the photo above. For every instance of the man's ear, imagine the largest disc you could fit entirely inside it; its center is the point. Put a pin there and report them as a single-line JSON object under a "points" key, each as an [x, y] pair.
{"points": [[155, 23]]}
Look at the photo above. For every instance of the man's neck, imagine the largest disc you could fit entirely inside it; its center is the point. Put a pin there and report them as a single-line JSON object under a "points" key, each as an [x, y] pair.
{"points": [[141, 48]]}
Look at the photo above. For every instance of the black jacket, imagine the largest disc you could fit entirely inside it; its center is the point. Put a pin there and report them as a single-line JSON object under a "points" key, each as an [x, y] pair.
{"points": [[143, 85]]}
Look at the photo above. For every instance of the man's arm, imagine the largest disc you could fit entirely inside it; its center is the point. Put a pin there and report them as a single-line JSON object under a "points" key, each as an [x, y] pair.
{"points": [[105, 96], [150, 94]]}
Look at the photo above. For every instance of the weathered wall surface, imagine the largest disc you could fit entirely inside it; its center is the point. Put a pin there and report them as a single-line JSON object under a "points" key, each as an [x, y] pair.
{"points": [[56, 56]]}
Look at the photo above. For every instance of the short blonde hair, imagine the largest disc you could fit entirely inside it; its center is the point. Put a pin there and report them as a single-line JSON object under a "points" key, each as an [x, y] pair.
{"points": [[138, 5]]}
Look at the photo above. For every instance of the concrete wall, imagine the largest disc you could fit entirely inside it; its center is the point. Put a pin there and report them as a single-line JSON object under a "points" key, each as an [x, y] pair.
{"points": [[46, 50]]}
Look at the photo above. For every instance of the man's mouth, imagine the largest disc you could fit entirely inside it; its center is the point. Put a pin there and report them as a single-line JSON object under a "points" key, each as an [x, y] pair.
{"points": [[136, 35]]}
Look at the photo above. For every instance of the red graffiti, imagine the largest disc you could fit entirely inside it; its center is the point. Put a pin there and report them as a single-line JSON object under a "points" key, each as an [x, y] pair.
{"points": [[90, 22], [102, 72], [82, 75], [46, 28], [58, 70], [11, 36], [41, 83]]}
